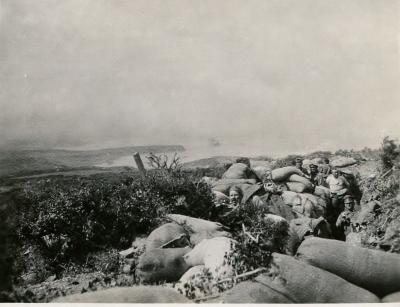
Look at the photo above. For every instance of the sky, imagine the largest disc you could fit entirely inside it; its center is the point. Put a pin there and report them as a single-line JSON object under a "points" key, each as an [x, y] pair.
{"points": [[287, 75]]}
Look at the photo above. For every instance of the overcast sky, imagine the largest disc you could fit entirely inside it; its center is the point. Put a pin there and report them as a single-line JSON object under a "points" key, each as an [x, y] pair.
{"points": [[289, 74]]}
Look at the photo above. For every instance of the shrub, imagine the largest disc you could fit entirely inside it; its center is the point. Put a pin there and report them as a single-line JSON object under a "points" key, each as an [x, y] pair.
{"points": [[286, 161], [389, 153], [69, 221]]}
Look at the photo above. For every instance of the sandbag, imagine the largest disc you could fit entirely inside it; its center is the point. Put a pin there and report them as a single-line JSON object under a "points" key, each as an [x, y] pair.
{"points": [[237, 171], [192, 281], [318, 204], [304, 204], [303, 283], [212, 254], [162, 264], [251, 292], [136, 294], [199, 229], [303, 180], [376, 271], [343, 161], [193, 272], [298, 187], [291, 198], [224, 185], [166, 234], [392, 298], [322, 192], [306, 226], [262, 172], [354, 239], [283, 173]]}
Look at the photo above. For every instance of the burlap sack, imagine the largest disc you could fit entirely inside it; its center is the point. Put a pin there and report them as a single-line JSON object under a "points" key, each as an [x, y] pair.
{"points": [[392, 298], [343, 161], [376, 271], [199, 229], [212, 253], [303, 180], [252, 292], [298, 187], [283, 173], [237, 171], [303, 283], [167, 233], [162, 264], [223, 185]]}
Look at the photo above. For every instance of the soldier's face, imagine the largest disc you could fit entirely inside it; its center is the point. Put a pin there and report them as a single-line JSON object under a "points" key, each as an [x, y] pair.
{"points": [[270, 187], [349, 205], [234, 197]]}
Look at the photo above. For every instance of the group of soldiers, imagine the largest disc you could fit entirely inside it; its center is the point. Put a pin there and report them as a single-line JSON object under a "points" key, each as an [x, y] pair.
{"points": [[338, 211], [342, 203]]}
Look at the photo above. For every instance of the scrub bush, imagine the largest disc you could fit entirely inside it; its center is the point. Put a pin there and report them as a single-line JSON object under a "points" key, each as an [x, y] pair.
{"points": [[67, 221]]}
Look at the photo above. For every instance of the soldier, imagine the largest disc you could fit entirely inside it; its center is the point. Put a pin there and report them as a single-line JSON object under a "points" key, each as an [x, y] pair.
{"points": [[343, 223], [338, 186], [298, 162], [315, 177], [325, 168]]}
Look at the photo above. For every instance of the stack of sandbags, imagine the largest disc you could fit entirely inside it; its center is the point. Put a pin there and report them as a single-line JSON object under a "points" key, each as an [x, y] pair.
{"points": [[137, 294], [341, 161], [376, 271], [305, 204], [300, 282], [293, 178], [293, 281], [165, 247], [199, 229]]}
